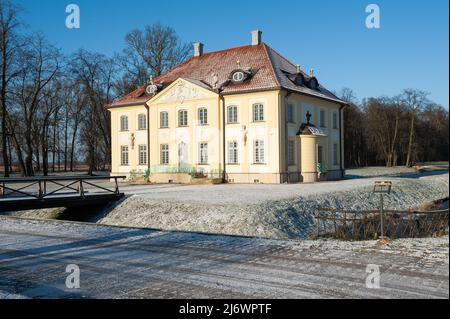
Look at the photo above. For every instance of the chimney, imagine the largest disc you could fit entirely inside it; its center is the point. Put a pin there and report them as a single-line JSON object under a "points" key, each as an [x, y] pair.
{"points": [[198, 49], [256, 37]]}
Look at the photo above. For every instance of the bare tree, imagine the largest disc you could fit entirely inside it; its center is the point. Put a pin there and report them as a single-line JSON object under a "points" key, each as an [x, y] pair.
{"points": [[95, 73], [41, 61], [150, 51], [414, 100], [9, 47]]}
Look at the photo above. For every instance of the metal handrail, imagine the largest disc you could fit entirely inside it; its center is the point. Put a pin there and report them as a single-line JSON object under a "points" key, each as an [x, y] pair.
{"points": [[42, 185]]}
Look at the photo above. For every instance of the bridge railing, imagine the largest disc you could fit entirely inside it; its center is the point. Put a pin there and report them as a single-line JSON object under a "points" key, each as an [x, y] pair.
{"points": [[38, 187]]}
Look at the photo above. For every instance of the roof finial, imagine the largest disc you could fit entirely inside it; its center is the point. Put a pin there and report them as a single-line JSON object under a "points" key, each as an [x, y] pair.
{"points": [[150, 79], [299, 69], [238, 64], [311, 72], [308, 118]]}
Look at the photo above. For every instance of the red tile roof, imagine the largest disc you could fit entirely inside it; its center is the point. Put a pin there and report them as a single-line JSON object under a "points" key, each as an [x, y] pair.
{"points": [[270, 71]]}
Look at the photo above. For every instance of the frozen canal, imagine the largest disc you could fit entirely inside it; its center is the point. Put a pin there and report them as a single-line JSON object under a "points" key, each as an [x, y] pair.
{"points": [[137, 263]]}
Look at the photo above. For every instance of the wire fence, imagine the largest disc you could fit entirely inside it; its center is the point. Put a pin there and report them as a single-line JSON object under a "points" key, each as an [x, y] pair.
{"points": [[366, 225]]}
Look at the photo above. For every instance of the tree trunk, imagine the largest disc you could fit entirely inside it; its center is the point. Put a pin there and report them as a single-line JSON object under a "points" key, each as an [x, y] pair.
{"points": [[411, 140]]}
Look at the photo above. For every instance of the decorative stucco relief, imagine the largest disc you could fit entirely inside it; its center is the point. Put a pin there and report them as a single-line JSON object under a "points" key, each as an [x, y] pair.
{"points": [[182, 92]]}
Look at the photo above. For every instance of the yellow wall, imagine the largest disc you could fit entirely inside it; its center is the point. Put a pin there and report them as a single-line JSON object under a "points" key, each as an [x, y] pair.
{"points": [[186, 95]]}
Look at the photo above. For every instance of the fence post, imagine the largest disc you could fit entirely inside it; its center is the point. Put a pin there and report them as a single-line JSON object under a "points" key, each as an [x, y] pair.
{"points": [[81, 188], [381, 215], [40, 194]]}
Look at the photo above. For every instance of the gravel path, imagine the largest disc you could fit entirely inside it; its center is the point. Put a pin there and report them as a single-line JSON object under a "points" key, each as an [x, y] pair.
{"points": [[271, 211], [139, 263]]}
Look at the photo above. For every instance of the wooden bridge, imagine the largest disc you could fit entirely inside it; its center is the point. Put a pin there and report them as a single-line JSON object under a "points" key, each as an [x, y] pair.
{"points": [[18, 194]]}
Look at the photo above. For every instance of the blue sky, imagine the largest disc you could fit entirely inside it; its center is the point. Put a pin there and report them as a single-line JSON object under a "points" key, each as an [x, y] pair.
{"points": [[410, 50]]}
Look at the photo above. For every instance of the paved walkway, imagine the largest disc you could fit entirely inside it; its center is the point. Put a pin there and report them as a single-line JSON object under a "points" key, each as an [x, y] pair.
{"points": [[137, 263]]}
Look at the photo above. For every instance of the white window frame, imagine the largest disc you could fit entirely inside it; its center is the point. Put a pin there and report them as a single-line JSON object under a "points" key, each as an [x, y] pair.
{"points": [[258, 152], [143, 154], [124, 123], [258, 112], [203, 116], [238, 76], [142, 121], [232, 113], [124, 155], [164, 149], [182, 118], [203, 153], [233, 152], [291, 152], [164, 119]]}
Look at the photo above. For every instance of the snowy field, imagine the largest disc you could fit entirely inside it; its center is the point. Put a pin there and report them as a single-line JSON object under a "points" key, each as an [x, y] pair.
{"points": [[142, 263], [272, 211]]}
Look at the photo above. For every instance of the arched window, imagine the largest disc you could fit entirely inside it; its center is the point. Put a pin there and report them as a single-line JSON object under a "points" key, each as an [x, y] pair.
{"points": [[203, 116], [124, 123], [258, 112], [142, 122], [164, 119], [232, 114]]}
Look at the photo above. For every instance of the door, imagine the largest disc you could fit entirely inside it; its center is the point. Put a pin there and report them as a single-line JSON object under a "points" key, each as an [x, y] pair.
{"points": [[182, 155]]}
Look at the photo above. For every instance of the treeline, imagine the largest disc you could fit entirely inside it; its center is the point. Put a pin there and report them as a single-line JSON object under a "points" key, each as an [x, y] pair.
{"points": [[401, 130], [52, 112]]}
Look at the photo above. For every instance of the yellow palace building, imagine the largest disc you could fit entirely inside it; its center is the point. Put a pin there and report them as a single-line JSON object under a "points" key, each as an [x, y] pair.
{"points": [[245, 115]]}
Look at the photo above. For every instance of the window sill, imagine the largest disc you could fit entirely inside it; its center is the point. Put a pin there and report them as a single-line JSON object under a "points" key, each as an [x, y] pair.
{"points": [[233, 164], [259, 164], [233, 123], [163, 127]]}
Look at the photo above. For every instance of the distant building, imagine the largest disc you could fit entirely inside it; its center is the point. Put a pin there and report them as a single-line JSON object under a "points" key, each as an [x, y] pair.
{"points": [[245, 111]]}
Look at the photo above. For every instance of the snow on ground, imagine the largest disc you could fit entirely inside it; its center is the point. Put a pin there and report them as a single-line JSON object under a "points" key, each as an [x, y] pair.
{"points": [[142, 263], [272, 211]]}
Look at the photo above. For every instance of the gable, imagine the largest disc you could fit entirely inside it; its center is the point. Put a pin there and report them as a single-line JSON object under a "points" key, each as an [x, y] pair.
{"points": [[183, 90]]}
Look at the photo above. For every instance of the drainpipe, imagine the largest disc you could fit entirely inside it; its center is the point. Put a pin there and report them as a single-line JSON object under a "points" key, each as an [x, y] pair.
{"points": [[341, 151], [222, 98], [286, 137], [148, 135]]}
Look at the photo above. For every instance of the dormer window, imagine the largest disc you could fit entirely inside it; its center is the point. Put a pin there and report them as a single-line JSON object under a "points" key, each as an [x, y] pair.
{"points": [[313, 84], [238, 76], [299, 80]]}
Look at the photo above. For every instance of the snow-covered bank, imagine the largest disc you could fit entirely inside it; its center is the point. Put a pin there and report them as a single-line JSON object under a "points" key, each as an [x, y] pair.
{"points": [[273, 211]]}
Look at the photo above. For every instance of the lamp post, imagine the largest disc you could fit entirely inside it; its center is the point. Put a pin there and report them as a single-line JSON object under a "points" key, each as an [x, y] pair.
{"points": [[382, 188]]}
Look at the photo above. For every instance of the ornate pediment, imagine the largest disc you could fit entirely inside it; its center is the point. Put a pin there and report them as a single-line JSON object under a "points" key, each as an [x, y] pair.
{"points": [[183, 91]]}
